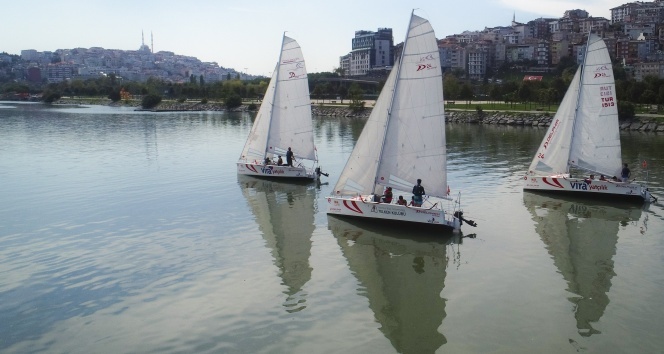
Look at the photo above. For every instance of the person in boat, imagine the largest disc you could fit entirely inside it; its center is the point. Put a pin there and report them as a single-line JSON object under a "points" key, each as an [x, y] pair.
{"points": [[413, 202], [289, 157], [625, 173], [280, 161], [267, 161], [602, 178], [590, 179], [401, 201], [387, 198], [418, 192]]}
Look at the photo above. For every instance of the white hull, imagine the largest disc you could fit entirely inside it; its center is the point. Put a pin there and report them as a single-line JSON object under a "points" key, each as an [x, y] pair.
{"points": [[363, 207], [576, 186], [273, 171]]}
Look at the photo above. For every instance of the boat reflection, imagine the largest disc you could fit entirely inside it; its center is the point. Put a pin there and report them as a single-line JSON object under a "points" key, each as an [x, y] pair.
{"points": [[284, 212], [581, 237], [402, 274]]}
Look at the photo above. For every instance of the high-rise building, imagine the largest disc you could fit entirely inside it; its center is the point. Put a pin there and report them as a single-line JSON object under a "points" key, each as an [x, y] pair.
{"points": [[371, 50]]}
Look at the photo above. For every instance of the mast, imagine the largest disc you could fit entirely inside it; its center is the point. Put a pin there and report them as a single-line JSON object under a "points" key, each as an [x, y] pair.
{"points": [[394, 92], [274, 94], [578, 96]]}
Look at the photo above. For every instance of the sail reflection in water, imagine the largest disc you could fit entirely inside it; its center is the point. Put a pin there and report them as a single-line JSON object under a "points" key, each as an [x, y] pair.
{"points": [[403, 278], [581, 238], [285, 215]]}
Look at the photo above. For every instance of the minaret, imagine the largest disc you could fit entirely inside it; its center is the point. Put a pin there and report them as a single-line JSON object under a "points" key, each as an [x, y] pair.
{"points": [[142, 39], [151, 43], [514, 19]]}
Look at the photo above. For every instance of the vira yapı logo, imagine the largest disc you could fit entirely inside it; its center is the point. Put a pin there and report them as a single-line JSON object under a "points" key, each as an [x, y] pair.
{"points": [[602, 71], [587, 186], [269, 170]]}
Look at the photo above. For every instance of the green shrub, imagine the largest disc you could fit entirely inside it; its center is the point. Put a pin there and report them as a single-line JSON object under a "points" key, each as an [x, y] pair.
{"points": [[233, 101], [150, 101]]}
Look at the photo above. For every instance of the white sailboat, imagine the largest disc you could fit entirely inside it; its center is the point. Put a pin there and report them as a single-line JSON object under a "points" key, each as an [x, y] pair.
{"points": [[283, 122], [402, 141], [584, 134]]}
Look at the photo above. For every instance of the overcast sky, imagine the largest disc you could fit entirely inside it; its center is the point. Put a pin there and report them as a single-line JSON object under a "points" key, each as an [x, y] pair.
{"points": [[246, 35]]}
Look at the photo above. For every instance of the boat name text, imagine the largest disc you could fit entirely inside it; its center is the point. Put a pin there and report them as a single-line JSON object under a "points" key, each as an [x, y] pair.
{"points": [[390, 211], [553, 131]]}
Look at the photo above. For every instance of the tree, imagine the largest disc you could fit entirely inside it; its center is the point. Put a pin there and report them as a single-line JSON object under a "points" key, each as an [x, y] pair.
{"points": [[625, 110], [466, 92], [233, 101], [356, 97], [451, 87], [150, 101], [201, 81], [115, 96], [51, 96]]}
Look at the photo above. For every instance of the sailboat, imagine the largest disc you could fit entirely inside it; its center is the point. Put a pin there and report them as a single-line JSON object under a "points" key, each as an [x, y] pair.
{"points": [[584, 134], [402, 141], [581, 238], [283, 123]]}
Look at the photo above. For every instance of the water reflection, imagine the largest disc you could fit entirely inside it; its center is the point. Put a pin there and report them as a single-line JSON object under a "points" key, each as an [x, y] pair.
{"points": [[581, 238], [284, 212], [403, 275]]}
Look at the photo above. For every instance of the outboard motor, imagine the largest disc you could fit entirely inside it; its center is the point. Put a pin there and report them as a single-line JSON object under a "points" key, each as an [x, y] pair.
{"points": [[459, 215], [320, 172]]}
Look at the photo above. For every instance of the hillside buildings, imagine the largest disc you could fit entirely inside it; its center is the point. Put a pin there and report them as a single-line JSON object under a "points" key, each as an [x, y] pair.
{"points": [[135, 65], [634, 36]]}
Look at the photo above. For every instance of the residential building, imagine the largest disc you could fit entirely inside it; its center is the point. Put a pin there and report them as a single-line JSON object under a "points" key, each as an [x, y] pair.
{"points": [[641, 70], [371, 50]]}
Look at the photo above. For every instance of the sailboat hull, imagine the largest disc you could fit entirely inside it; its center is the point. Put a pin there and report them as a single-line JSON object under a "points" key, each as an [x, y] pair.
{"points": [[274, 171], [583, 187], [363, 208]]}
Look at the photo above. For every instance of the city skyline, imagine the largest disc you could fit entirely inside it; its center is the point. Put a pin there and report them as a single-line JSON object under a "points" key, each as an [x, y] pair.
{"points": [[246, 37]]}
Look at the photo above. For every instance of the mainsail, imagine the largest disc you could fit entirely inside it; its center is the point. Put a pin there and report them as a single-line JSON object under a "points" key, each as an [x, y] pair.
{"points": [[284, 118], [584, 132], [404, 137]]}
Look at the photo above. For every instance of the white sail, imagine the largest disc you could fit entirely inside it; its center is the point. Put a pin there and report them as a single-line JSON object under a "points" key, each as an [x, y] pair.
{"points": [[284, 118], [596, 137], [255, 147], [584, 132], [553, 153], [404, 137]]}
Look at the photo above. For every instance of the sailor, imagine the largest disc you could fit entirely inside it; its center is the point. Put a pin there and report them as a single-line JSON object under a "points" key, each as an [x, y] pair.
{"points": [[280, 161], [625, 173], [418, 192], [289, 157], [387, 198]]}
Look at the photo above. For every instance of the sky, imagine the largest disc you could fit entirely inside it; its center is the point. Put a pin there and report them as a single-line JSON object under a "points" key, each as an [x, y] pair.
{"points": [[246, 35]]}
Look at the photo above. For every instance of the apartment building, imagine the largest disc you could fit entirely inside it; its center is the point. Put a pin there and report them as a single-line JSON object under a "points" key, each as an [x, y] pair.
{"points": [[371, 50], [641, 70]]}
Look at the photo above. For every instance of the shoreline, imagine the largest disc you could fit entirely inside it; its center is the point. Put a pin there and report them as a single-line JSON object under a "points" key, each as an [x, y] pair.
{"points": [[532, 118]]}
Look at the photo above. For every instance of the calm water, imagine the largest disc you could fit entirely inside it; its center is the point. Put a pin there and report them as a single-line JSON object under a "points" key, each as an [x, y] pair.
{"points": [[130, 232]]}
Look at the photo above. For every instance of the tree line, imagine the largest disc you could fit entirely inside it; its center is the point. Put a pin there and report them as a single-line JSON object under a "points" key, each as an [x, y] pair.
{"points": [[511, 89]]}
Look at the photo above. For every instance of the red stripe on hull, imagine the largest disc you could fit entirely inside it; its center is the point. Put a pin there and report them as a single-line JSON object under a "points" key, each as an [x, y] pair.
{"points": [[554, 180], [354, 207]]}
